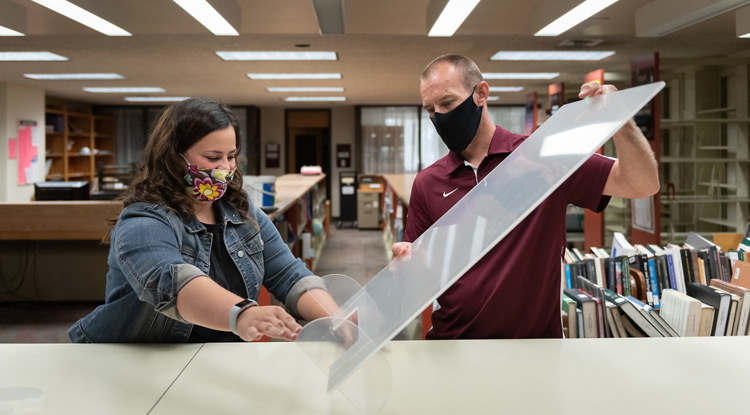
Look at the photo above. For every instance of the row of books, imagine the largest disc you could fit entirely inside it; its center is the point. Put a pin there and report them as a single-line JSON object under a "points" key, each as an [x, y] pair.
{"points": [[644, 272], [651, 291]]}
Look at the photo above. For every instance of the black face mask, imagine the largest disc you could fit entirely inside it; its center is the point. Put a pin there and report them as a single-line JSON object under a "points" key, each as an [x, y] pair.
{"points": [[458, 126]]}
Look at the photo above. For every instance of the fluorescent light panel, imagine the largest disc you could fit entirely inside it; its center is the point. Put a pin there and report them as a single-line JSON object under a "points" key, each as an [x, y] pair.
{"points": [[4, 31], [208, 17], [276, 56], [517, 75], [531, 55], [294, 76], [72, 76], [155, 99], [124, 90], [307, 89], [493, 98], [83, 17], [300, 99], [575, 16], [30, 56], [452, 16], [506, 88], [745, 36]]}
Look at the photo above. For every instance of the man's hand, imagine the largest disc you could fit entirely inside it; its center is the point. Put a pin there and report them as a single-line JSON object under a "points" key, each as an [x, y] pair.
{"points": [[271, 321], [593, 89], [402, 250]]}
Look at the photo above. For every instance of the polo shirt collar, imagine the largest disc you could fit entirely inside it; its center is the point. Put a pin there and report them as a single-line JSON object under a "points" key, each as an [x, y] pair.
{"points": [[503, 142]]}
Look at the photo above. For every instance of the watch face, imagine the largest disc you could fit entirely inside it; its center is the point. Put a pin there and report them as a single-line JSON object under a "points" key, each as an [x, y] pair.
{"points": [[245, 303]]}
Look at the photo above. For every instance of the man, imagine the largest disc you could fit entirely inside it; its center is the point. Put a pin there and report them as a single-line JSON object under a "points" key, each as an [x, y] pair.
{"points": [[514, 290]]}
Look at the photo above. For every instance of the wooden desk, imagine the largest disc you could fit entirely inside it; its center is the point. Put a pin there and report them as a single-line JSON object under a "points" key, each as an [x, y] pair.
{"points": [[290, 188], [401, 185], [698, 375], [63, 220]]}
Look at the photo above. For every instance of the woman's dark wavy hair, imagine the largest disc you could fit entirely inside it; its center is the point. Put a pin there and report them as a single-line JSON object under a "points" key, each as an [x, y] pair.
{"points": [[160, 178]]}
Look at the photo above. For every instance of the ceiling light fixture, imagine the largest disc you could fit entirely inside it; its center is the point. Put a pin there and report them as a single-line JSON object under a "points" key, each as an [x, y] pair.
{"points": [[660, 18], [326, 99], [531, 55], [524, 75], [286, 76], [575, 16], [276, 56], [124, 90], [155, 99], [208, 17], [307, 89], [72, 76], [83, 17], [495, 98], [30, 56], [506, 88], [4, 31], [452, 16]]}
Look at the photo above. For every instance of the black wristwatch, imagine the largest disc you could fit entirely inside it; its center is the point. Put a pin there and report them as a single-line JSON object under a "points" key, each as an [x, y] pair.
{"points": [[235, 312]]}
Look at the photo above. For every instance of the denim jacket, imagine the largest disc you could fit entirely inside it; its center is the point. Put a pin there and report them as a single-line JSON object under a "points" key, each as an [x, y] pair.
{"points": [[153, 254]]}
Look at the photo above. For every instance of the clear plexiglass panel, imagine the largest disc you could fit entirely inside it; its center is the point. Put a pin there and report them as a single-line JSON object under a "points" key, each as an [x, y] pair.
{"points": [[453, 244]]}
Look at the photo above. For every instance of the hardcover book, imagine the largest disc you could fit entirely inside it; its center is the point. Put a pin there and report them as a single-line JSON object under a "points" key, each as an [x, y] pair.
{"points": [[721, 302], [681, 312]]}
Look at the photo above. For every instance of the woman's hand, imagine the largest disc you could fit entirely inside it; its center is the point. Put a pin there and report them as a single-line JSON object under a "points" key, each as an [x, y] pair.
{"points": [[271, 321]]}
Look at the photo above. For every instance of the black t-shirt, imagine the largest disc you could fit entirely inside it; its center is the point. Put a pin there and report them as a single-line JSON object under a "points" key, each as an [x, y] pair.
{"points": [[224, 271]]}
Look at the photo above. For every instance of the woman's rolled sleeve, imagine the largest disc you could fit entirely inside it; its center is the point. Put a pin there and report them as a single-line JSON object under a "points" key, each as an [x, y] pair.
{"points": [[148, 252]]}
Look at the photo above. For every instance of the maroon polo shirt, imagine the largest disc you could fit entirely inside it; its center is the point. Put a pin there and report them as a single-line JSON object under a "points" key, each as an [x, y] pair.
{"points": [[514, 290]]}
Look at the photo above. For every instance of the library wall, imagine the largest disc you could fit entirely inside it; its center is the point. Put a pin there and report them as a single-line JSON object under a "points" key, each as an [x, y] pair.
{"points": [[18, 103], [342, 132], [272, 131]]}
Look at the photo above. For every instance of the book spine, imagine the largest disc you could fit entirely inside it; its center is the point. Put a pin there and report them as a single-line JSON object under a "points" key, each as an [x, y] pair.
{"points": [[626, 289], [670, 270], [654, 283]]}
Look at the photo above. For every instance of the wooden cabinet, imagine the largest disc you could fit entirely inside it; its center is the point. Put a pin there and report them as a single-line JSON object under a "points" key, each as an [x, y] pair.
{"points": [[76, 143]]}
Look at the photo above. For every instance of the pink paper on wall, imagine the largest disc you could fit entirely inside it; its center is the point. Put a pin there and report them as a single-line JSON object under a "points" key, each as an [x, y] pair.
{"points": [[27, 153], [12, 146]]}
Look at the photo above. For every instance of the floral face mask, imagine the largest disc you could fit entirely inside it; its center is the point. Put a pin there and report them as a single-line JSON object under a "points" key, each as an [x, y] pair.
{"points": [[207, 184]]}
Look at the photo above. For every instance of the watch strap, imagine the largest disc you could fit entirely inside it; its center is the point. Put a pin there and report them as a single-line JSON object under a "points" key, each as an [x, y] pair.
{"points": [[236, 310]]}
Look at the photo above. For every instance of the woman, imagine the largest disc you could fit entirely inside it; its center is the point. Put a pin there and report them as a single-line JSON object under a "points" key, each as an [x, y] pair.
{"points": [[189, 253]]}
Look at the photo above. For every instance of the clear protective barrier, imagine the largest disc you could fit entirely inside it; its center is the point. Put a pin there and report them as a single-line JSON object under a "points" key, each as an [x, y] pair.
{"points": [[453, 244]]}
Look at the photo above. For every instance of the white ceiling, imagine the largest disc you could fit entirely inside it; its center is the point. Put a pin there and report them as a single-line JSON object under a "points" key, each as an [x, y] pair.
{"points": [[381, 55]]}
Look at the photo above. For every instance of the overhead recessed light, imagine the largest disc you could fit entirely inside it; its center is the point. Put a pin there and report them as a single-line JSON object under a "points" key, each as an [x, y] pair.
{"points": [[496, 98], [294, 76], [506, 88], [83, 17], [307, 89], [208, 17], [155, 99], [72, 76], [299, 99], [531, 55], [276, 56], [745, 36], [124, 90], [4, 31], [575, 16], [30, 56], [452, 16], [522, 75]]}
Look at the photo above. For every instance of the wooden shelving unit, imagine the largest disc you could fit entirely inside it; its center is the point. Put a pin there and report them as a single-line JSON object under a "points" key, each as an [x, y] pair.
{"points": [[76, 143]]}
